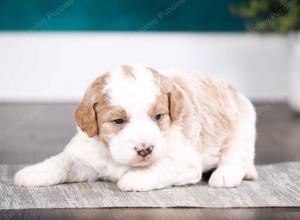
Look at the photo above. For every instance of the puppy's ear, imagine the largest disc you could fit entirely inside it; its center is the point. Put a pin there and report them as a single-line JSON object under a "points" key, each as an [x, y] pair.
{"points": [[86, 118], [175, 102], [86, 115]]}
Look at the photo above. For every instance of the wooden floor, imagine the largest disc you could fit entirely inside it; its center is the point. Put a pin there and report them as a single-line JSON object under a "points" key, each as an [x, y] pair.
{"points": [[32, 132]]}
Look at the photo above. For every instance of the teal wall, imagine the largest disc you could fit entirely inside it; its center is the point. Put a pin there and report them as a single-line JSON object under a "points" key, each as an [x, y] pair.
{"points": [[118, 15]]}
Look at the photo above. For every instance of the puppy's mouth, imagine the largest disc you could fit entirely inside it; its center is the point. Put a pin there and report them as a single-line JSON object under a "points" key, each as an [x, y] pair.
{"points": [[143, 162]]}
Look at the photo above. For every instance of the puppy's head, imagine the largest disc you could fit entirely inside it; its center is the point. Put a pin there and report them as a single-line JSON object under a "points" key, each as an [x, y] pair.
{"points": [[131, 109]]}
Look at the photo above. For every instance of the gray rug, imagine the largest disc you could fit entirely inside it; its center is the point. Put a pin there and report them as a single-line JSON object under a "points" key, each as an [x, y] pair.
{"points": [[278, 186]]}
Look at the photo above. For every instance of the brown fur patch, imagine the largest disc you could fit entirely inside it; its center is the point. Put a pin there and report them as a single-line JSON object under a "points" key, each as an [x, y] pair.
{"points": [[161, 106], [127, 70], [217, 113]]}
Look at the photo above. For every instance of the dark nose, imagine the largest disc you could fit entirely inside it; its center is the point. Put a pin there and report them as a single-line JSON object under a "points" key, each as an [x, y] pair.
{"points": [[144, 150]]}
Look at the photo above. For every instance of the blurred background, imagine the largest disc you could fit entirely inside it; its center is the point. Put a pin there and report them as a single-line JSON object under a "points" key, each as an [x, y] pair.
{"points": [[51, 50]]}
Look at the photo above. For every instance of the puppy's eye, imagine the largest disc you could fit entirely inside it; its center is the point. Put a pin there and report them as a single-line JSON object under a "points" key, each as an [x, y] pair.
{"points": [[119, 121], [158, 117]]}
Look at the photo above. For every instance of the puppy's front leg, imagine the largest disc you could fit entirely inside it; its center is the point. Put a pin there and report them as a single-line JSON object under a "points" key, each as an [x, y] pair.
{"points": [[64, 167], [49, 172], [165, 173]]}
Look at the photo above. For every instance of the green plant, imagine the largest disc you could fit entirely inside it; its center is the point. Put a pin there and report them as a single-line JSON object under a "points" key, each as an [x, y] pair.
{"points": [[280, 16]]}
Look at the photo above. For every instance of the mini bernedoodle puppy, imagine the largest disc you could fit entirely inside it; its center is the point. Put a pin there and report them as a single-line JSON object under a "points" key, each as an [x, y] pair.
{"points": [[147, 130]]}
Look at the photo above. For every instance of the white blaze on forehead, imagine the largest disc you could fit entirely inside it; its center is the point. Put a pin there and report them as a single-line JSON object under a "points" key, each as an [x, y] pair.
{"points": [[135, 93]]}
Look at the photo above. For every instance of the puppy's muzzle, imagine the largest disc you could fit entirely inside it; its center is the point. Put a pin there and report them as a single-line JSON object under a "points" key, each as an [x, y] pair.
{"points": [[144, 150]]}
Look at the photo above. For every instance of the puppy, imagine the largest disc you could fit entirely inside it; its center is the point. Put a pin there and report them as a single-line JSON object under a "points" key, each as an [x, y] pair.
{"points": [[145, 131]]}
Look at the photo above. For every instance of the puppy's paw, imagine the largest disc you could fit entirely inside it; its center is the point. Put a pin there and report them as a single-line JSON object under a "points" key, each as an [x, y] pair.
{"points": [[188, 177], [227, 176], [33, 176], [139, 181], [251, 173]]}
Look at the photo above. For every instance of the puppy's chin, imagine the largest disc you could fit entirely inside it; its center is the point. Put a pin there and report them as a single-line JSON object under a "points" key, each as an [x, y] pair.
{"points": [[141, 164]]}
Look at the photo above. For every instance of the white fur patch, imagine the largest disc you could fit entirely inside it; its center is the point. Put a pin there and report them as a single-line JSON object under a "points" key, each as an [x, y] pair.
{"points": [[134, 94], [227, 176]]}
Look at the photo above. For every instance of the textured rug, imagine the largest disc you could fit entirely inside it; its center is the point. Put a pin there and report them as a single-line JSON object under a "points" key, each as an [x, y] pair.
{"points": [[278, 186]]}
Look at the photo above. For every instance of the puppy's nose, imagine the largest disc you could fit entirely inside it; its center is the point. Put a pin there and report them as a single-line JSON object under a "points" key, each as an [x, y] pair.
{"points": [[144, 150]]}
